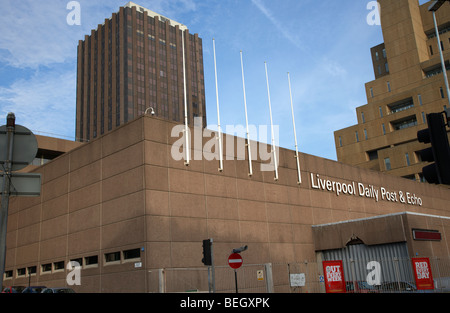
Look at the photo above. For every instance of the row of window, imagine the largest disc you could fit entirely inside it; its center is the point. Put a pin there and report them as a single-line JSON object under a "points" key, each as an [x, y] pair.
{"points": [[387, 162], [377, 56], [429, 73], [407, 122], [402, 105], [442, 47], [373, 155], [116, 257]]}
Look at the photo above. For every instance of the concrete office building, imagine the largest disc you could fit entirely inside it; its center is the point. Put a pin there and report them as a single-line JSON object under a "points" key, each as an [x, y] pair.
{"points": [[408, 85], [124, 208], [132, 62]]}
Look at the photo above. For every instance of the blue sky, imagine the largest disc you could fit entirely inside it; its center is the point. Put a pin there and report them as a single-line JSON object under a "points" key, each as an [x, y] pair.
{"points": [[325, 45]]}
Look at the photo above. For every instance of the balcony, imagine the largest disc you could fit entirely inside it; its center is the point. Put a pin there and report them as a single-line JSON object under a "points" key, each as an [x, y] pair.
{"points": [[401, 105], [406, 122]]}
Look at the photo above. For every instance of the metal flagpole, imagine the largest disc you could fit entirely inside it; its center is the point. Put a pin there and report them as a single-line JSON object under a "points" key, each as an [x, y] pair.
{"points": [[271, 127], [218, 112], [250, 169], [186, 129], [295, 133]]}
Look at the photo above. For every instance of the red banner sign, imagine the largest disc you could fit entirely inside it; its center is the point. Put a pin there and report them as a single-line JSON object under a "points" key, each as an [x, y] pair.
{"points": [[422, 273], [333, 276]]}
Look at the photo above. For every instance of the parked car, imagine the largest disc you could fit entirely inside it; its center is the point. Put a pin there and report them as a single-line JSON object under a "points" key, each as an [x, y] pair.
{"points": [[13, 289], [58, 290], [395, 286], [34, 289], [361, 287]]}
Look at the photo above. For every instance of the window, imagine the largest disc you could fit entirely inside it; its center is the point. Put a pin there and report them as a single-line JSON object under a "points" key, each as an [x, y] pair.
{"points": [[372, 155], [377, 56], [132, 254], [371, 92], [46, 268], [32, 270], [386, 66], [420, 99], [58, 266], [8, 274], [383, 128], [365, 134], [387, 164], [340, 141], [431, 50], [442, 92], [381, 111], [401, 105], [77, 260], [357, 136], [408, 163], [112, 257], [442, 46], [403, 123], [21, 271], [424, 119], [384, 53], [435, 70], [389, 86], [363, 118], [91, 260]]}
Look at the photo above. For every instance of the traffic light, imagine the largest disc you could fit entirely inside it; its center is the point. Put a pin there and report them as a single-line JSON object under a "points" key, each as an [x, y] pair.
{"points": [[439, 153], [207, 259]]}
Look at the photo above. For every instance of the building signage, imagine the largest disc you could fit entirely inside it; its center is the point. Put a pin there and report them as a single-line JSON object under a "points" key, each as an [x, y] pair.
{"points": [[297, 280], [334, 276], [422, 273], [364, 190], [432, 235]]}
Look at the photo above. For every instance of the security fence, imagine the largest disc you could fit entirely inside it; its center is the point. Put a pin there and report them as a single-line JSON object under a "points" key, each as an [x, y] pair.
{"points": [[389, 275]]}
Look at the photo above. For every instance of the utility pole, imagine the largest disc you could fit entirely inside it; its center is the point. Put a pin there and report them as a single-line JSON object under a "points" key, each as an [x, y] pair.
{"points": [[18, 147], [7, 166]]}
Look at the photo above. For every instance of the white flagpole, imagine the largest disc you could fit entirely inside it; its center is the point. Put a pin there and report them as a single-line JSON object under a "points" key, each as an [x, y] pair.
{"points": [[186, 129], [250, 169], [295, 133], [271, 127], [218, 112]]}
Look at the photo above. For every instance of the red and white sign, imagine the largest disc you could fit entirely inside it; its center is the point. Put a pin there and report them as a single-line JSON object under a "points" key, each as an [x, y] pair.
{"points": [[422, 273], [235, 260], [334, 276]]}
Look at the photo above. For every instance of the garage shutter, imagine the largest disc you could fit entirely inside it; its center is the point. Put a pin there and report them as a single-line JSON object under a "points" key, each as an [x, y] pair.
{"points": [[393, 258]]}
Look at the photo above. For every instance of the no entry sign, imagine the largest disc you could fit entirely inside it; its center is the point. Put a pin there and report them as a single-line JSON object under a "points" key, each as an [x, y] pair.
{"points": [[235, 260]]}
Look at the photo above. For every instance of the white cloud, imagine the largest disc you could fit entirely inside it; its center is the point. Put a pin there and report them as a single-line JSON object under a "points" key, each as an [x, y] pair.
{"points": [[43, 103], [33, 34]]}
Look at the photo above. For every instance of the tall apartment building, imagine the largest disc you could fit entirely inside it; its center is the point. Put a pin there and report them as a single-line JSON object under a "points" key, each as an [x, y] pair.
{"points": [[132, 62], [408, 85]]}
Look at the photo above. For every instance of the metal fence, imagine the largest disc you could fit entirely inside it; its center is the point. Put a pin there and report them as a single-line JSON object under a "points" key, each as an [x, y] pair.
{"points": [[303, 277]]}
